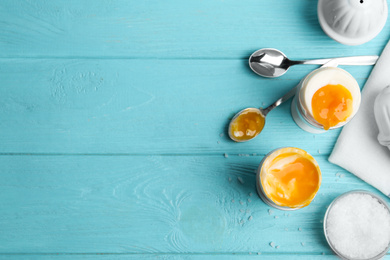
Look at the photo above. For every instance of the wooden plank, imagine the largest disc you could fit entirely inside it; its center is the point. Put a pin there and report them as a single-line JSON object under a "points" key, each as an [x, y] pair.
{"points": [[250, 255], [154, 204], [174, 256], [135, 107], [167, 29]]}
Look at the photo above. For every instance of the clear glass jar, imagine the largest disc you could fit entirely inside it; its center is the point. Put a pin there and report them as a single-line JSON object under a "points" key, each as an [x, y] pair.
{"points": [[325, 223], [270, 160]]}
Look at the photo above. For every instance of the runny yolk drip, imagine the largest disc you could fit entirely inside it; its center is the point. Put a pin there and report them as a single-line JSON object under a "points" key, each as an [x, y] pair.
{"points": [[291, 180], [247, 125], [331, 105]]}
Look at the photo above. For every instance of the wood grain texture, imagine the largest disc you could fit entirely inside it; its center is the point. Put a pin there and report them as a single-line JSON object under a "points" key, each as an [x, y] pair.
{"points": [[117, 106], [113, 129], [167, 29], [250, 255], [154, 204]]}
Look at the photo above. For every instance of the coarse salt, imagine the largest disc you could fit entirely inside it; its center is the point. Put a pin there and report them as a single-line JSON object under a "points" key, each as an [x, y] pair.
{"points": [[358, 226]]}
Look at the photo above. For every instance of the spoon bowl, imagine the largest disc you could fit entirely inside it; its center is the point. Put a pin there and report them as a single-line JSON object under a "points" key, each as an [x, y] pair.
{"points": [[249, 122], [269, 63], [246, 124], [272, 63]]}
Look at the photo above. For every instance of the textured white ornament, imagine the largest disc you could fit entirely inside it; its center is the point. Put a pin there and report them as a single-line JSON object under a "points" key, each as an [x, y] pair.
{"points": [[352, 22], [382, 116]]}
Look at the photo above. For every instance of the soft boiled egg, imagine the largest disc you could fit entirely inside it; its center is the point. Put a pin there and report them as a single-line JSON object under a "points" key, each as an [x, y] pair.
{"points": [[289, 178], [330, 97]]}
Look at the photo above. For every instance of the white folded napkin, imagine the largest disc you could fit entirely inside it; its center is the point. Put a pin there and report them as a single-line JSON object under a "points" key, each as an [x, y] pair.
{"points": [[357, 149]]}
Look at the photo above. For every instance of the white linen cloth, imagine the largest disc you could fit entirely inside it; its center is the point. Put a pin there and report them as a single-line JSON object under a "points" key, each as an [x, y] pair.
{"points": [[357, 149]]}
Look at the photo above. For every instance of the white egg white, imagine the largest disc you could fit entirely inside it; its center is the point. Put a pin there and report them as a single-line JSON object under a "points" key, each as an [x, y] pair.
{"points": [[324, 76]]}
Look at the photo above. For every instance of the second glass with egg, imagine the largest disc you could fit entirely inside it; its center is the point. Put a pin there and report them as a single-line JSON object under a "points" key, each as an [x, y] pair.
{"points": [[288, 178], [327, 98]]}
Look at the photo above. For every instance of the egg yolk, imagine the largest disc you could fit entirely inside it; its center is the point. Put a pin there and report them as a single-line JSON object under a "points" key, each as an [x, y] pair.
{"points": [[247, 125], [331, 105], [291, 180]]}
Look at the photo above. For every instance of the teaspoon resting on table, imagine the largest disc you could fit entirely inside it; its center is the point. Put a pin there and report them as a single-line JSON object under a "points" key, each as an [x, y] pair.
{"points": [[249, 122], [272, 63]]}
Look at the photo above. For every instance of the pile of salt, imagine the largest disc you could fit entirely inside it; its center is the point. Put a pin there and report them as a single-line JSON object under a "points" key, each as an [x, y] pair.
{"points": [[358, 226]]}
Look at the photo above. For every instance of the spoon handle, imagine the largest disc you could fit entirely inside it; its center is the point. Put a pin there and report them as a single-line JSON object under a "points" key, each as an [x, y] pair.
{"points": [[293, 91], [278, 102], [354, 60]]}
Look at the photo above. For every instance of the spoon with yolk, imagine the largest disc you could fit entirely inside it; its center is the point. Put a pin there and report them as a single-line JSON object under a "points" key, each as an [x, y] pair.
{"points": [[249, 122]]}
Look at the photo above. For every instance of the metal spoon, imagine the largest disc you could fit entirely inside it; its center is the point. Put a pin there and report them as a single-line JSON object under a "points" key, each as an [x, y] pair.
{"points": [[262, 112], [272, 63]]}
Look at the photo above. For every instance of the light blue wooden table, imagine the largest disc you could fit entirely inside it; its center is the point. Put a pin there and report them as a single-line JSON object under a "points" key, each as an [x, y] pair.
{"points": [[113, 129]]}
